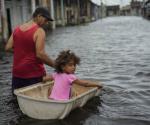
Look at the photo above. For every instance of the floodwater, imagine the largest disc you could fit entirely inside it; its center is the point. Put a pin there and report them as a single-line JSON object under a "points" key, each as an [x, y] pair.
{"points": [[115, 51]]}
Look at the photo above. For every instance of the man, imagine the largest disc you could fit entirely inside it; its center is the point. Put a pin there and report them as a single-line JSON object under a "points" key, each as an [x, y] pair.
{"points": [[28, 45]]}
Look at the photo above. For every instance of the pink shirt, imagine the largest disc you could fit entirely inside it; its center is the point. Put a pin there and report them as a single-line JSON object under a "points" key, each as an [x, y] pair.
{"points": [[62, 86]]}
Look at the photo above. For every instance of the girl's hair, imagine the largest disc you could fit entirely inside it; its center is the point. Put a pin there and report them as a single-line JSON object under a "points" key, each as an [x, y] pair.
{"points": [[63, 58]]}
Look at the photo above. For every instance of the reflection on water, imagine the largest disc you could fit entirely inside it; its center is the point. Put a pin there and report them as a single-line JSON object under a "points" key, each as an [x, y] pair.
{"points": [[114, 51]]}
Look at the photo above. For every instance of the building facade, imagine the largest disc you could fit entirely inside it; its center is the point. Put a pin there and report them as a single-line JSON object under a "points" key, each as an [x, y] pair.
{"points": [[136, 8], [125, 11], [113, 10], [146, 9], [64, 12]]}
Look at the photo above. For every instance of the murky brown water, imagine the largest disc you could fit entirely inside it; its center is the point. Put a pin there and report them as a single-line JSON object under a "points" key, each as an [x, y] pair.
{"points": [[114, 51]]}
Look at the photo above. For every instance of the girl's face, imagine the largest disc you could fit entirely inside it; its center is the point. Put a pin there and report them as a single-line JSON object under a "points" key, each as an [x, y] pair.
{"points": [[69, 68]]}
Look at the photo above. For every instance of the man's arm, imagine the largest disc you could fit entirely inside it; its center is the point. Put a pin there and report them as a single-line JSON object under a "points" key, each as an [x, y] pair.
{"points": [[40, 47], [9, 45], [47, 78]]}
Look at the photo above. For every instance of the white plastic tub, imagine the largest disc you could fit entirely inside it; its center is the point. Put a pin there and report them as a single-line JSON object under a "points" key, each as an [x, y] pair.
{"points": [[33, 101]]}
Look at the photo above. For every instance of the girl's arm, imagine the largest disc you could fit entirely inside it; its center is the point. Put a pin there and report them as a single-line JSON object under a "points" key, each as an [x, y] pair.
{"points": [[87, 83], [47, 78]]}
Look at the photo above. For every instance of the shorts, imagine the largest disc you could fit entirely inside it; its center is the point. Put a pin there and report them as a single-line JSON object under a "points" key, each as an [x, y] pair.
{"points": [[20, 82]]}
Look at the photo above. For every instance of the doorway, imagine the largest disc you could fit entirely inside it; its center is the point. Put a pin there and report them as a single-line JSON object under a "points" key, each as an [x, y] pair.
{"points": [[9, 21]]}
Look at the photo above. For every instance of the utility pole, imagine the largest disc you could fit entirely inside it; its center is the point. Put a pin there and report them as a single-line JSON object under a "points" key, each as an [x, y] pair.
{"points": [[52, 13], [4, 30], [78, 6], [3, 20], [101, 8], [33, 6]]}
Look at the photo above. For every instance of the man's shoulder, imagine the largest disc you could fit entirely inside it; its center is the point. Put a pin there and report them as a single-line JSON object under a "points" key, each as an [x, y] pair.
{"points": [[40, 31]]}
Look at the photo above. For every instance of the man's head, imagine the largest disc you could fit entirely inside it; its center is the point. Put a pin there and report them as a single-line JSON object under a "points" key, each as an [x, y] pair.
{"points": [[42, 15]]}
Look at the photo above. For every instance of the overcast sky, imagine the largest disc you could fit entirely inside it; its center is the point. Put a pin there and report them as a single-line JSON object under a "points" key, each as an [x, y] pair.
{"points": [[114, 2]]}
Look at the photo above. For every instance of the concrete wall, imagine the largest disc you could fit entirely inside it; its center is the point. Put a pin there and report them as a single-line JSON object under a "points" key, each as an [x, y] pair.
{"points": [[64, 12], [17, 12]]}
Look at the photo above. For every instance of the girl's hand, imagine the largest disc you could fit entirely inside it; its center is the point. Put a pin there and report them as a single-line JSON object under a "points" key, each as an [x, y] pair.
{"points": [[99, 86]]}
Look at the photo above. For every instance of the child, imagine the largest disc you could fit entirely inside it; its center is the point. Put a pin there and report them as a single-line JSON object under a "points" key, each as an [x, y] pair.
{"points": [[64, 77]]}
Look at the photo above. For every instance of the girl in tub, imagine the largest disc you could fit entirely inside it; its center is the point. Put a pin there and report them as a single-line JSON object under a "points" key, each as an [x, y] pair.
{"points": [[64, 77]]}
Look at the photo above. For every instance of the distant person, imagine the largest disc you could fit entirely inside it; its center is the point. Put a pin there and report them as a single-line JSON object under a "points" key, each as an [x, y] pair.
{"points": [[27, 43], [64, 77]]}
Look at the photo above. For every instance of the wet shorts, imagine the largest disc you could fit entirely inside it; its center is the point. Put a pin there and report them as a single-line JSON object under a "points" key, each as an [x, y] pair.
{"points": [[20, 82]]}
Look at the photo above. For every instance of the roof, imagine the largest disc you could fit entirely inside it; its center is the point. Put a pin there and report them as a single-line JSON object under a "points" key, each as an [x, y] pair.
{"points": [[97, 2]]}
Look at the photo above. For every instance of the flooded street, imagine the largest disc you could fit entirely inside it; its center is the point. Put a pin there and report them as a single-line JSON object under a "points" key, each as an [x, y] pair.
{"points": [[115, 51]]}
